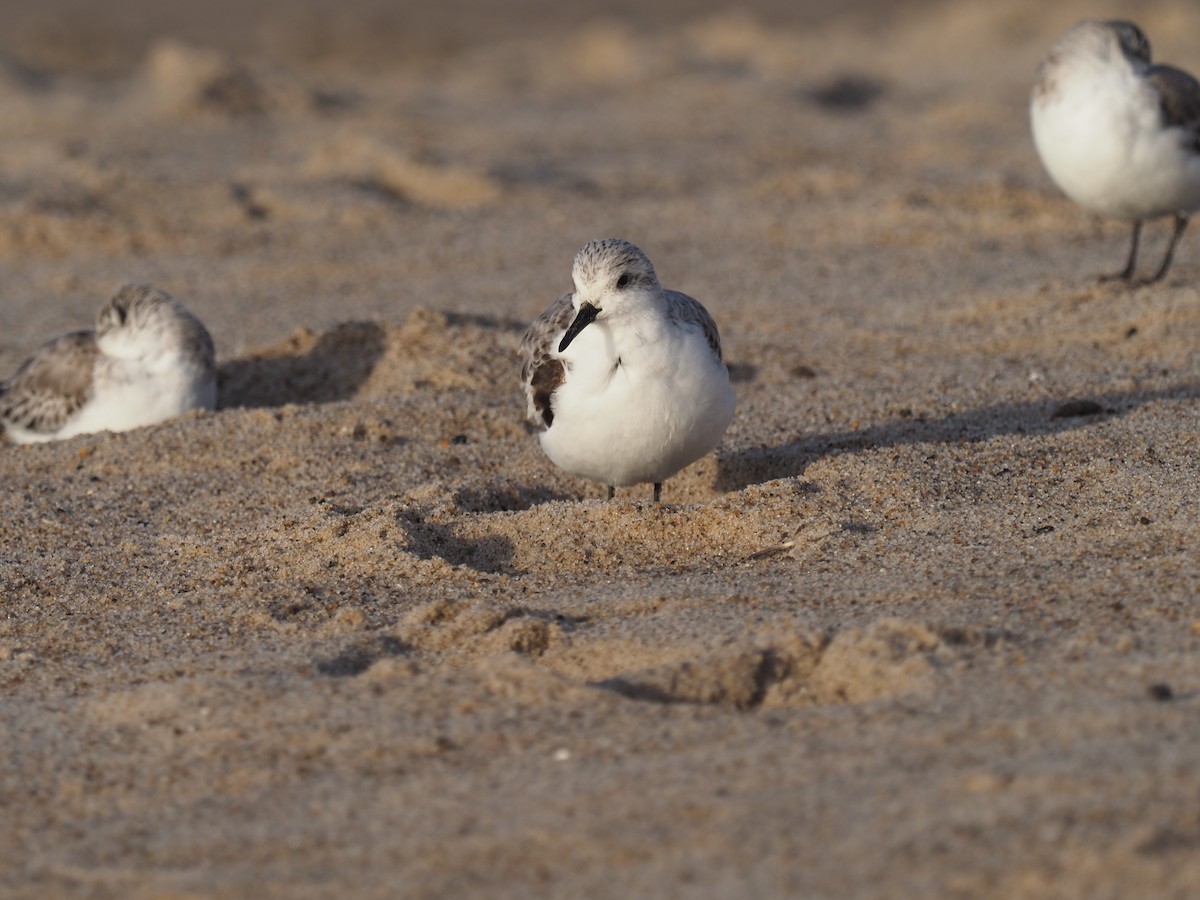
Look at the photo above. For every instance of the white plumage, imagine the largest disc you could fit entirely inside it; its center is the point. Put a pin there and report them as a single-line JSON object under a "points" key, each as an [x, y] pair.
{"points": [[624, 379]]}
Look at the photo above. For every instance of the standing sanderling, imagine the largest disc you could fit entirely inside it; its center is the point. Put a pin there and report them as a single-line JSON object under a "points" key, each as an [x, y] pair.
{"points": [[1119, 135], [148, 360], [623, 378]]}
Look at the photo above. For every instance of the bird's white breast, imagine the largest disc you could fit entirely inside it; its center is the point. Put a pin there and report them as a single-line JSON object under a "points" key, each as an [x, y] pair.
{"points": [[128, 398], [638, 403], [1099, 134]]}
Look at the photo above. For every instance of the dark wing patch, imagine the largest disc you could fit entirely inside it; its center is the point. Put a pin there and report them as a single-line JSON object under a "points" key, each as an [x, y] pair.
{"points": [[51, 385], [543, 383], [541, 372], [682, 308], [1179, 99]]}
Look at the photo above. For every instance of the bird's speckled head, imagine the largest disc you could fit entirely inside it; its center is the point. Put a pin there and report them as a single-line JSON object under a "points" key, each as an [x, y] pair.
{"points": [[141, 321], [1097, 45], [611, 268], [1132, 40], [613, 280], [134, 306], [1110, 40]]}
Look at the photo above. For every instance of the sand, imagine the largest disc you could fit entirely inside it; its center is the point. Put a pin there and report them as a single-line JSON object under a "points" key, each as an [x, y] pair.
{"points": [[924, 625]]}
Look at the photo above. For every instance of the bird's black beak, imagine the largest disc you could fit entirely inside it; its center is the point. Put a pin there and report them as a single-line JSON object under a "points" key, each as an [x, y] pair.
{"points": [[585, 317]]}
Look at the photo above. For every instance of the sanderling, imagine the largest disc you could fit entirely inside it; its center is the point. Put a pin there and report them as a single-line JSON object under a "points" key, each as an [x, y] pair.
{"points": [[1119, 135], [148, 360], [624, 379]]}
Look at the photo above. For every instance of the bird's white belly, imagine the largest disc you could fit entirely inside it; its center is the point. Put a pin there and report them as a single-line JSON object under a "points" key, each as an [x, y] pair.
{"points": [[640, 421], [127, 396], [1105, 147]]}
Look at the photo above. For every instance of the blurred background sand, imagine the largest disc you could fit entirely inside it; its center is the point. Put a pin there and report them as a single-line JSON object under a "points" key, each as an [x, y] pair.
{"points": [[924, 625]]}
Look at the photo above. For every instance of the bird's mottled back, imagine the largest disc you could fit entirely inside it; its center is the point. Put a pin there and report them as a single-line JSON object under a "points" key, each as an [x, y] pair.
{"points": [[50, 386], [1179, 99], [682, 308]]}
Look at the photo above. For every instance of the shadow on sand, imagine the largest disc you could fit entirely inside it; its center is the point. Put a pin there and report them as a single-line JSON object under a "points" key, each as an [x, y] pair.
{"points": [[332, 369], [736, 469], [492, 554]]}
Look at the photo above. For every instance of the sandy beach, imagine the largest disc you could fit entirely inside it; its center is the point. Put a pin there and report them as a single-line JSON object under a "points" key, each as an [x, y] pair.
{"points": [[924, 625]]}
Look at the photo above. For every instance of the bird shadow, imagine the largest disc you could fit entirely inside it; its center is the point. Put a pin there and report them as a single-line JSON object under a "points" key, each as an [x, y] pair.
{"points": [[505, 498], [334, 368], [490, 554], [737, 469], [360, 656]]}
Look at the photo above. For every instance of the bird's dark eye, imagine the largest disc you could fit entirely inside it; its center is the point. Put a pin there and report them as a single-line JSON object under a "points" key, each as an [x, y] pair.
{"points": [[623, 281]]}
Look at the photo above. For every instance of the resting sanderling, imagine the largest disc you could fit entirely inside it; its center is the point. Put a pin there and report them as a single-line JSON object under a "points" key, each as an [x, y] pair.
{"points": [[1119, 135], [148, 360], [623, 378]]}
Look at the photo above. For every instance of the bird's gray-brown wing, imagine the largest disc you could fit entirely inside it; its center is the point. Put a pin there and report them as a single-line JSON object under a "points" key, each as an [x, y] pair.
{"points": [[1179, 99], [682, 308], [51, 385], [541, 373]]}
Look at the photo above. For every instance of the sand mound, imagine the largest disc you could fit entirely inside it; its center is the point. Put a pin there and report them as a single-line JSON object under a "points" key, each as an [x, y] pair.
{"points": [[372, 165]]}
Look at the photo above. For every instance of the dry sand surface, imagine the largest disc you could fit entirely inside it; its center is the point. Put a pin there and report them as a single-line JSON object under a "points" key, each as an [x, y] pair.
{"points": [[924, 625]]}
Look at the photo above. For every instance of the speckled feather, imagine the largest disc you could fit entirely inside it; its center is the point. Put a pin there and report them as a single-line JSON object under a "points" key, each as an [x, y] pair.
{"points": [[148, 307], [541, 373], [682, 308], [52, 385]]}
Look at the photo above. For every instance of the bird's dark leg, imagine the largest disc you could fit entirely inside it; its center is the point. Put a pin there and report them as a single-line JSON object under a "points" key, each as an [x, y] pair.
{"points": [[1126, 274], [658, 492], [1181, 222], [612, 492]]}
